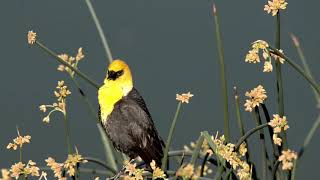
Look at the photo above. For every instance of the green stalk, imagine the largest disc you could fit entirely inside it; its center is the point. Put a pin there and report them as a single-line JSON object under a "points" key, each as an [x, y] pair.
{"points": [[310, 135], [20, 154], [53, 54], [101, 163], [169, 139], [224, 89], [279, 79], [276, 149], [196, 151], [241, 128], [105, 140], [67, 133], [100, 31], [293, 173], [275, 168], [248, 134], [305, 64], [312, 82], [264, 154], [238, 114]]}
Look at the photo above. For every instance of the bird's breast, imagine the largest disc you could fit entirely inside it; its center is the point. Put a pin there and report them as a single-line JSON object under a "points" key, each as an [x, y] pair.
{"points": [[108, 96]]}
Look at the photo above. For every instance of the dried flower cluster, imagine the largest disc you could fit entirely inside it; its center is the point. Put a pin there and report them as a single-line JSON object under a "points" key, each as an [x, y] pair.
{"points": [[132, 173], [278, 124], [69, 165], [274, 6], [256, 97], [61, 94], [73, 61], [287, 157], [227, 152], [184, 98], [5, 174], [157, 172], [253, 55], [19, 169], [19, 141], [31, 37], [187, 172]]}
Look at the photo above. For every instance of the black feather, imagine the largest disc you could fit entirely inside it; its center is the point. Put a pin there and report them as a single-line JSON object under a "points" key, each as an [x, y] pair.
{"points": [[132, 131]]}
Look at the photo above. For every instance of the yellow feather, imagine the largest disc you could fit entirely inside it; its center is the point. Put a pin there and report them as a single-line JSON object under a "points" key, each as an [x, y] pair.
{"points": [[113, 90]]}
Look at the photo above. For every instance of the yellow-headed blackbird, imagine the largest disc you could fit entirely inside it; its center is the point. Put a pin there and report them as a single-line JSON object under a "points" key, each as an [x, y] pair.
{"points": [[125, 117]]}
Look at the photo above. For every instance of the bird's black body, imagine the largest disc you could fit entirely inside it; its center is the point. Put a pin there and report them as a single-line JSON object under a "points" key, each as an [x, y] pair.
{"points": [[132, 131]]}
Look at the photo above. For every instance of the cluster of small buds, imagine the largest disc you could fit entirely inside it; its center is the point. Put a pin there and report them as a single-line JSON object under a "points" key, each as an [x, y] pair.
{"points": [[256, 97], [132, 173], [184, 98], [227, 152], [286, 158], [186, 172], [275, 6], [32, 37], [253, 55], [69, 165], [278, 124], [73, 61], [60, 106], [19, 141], [19, 169], [157, 173]]}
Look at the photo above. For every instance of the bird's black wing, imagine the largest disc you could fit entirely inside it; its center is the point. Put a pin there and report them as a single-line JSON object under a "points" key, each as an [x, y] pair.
{"points": [[148, 144]]}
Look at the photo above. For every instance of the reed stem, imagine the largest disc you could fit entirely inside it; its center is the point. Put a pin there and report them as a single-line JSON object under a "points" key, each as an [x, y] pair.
{"points": [[224, 89]]}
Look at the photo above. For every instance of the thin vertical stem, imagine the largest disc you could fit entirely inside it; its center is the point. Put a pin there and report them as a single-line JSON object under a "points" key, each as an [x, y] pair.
{"points": [[67, 133], [224, 89], [242, 132], [279, 78], [275, 148], [264, 155], [196, 151], [170, 136], [20, 154], [100, 31]]}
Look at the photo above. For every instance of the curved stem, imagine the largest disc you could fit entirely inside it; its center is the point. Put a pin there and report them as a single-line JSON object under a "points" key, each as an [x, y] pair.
{"points": [[101, 163], [169, 139], [297, 68], [204, 164], [83, 76], [248, 134]]}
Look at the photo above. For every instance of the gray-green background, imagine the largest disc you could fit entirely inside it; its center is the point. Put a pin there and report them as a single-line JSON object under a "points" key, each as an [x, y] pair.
{"points": [[171, 48]]}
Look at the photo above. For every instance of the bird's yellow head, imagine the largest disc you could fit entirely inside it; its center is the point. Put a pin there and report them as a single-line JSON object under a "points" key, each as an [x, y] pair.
{"points": [[118, 83]]}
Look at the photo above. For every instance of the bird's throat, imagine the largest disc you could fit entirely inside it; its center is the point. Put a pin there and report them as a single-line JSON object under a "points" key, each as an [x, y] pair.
{"points": [[108, 95]]}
